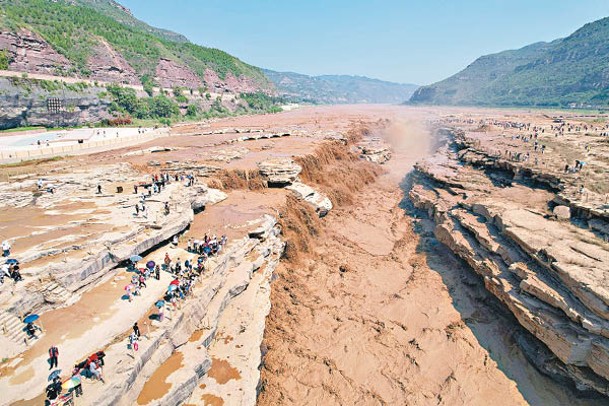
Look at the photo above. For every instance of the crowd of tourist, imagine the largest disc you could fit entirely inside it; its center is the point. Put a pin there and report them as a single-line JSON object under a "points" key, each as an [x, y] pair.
{"points": [[185, 274]]}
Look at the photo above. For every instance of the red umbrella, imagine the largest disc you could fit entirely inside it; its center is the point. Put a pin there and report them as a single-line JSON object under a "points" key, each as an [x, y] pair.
{"points": [[175, 282]]}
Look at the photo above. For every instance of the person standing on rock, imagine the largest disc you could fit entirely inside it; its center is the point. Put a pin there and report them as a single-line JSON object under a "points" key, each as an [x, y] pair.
{"points": [[53, 356], [6, 248], [142, 282], [136, 329], [167, 261], [99, 189], [133, 342]]}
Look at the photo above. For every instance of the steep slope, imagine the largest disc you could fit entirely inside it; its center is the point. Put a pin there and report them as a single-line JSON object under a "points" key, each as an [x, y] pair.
{"points": [[71, 37], [334, 89], [123, 15], [573, 71]]}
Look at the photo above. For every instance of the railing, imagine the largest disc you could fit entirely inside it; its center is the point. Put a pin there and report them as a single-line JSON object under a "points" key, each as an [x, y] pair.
{"points": [[43, 151]]}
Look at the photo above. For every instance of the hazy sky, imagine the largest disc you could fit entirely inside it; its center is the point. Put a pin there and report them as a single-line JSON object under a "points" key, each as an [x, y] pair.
{"points": [[415, 41]]}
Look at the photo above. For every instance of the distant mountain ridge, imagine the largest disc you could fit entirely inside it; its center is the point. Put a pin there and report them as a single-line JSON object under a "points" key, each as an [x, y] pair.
{"points": [[569, 72], [338, 89]]}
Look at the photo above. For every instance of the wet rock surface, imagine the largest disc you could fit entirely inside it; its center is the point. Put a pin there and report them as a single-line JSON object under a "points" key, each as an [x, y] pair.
{"points": [[374, 150], [282, 171]]}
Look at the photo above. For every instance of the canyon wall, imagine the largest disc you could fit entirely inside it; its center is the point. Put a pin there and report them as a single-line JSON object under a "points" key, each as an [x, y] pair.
{"points": [[538, 246]]}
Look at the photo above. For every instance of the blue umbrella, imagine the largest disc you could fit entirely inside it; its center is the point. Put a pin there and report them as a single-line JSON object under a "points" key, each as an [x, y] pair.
{"points": [[160, 303], [135, 258], [11, 261], [150, 264], [54, 374], [31, 318], [171, 288]]}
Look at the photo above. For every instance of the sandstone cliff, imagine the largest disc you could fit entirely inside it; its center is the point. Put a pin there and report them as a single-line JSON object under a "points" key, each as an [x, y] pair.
{"points": [[496, 213], [29, 52]]}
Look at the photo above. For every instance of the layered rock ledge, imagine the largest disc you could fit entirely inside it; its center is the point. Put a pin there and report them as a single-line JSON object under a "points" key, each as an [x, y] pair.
{"points": [[536, 242]]}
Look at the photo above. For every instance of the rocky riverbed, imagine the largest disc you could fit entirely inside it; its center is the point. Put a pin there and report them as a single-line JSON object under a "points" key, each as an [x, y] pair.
{"points": [[375, 255]]}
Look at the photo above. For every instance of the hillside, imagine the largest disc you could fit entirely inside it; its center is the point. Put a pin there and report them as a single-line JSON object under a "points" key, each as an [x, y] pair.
{"points": [[569, 72], [123, 15], [335, 89], [101, 40]]}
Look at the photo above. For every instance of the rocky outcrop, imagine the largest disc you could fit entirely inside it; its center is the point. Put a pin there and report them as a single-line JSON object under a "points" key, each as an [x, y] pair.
{"points": [[318, 200], [28, 52], [374, 150], [517, 167], [279, 171], [104, 252], [170, 74], [190, 333], [107, 65], [24, 102], [230, 83], [550, 274]]}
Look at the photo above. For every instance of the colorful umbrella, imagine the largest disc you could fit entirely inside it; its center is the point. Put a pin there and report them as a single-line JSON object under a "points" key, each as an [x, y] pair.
{"points": [[71, 383], [171, 288], [150, 264], [129, 287], [175, 282], [160, 303], [31, 318], [54, 374], [135, 258]]}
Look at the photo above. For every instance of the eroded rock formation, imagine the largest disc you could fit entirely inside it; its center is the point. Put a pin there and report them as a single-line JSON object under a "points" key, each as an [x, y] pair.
{"points": [[171, 74], [500, 217], [107, 65], [28, 52], [282, 171]]}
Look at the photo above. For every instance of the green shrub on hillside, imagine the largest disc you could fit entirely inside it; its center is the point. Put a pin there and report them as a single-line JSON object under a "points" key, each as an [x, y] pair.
{"points": [[74, 31], [192, 110], [262, 102], [148, 84], [4, 59], [162, 106]]}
